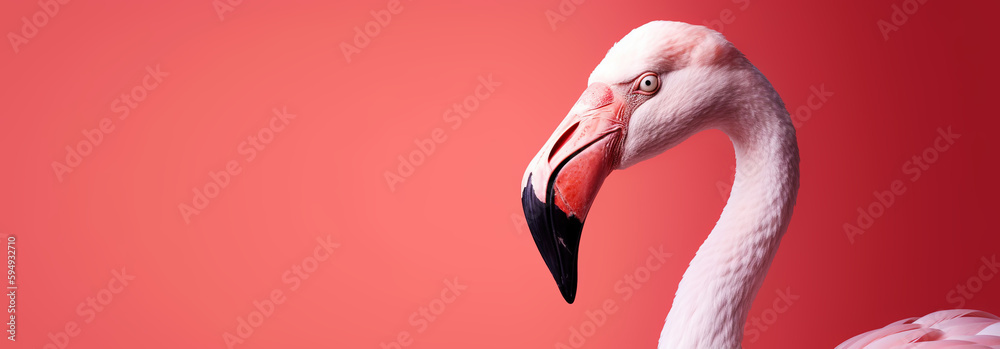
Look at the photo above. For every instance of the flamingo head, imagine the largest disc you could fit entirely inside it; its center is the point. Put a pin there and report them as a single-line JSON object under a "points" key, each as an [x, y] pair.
{"points": [[657, 86]]}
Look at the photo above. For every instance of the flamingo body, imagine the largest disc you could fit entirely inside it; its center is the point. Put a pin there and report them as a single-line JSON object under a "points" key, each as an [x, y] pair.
{"points": [[958, 328]]}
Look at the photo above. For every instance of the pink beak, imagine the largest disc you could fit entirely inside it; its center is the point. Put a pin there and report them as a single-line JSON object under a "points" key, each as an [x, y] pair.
{"points": [[562, 181]]}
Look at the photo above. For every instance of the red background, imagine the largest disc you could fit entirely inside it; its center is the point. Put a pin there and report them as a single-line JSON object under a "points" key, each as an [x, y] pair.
{"points": [[457, 215]]}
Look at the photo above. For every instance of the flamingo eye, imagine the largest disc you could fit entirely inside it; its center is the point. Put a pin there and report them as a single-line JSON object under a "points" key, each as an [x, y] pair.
{"points": [[648, 83]]}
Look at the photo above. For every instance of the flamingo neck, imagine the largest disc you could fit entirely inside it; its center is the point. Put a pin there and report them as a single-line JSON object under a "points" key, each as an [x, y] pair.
{"points": [[718, 288]]}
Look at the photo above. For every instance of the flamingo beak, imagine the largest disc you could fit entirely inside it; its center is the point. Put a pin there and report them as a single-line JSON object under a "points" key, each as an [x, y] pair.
{"points": [[562, 181]]}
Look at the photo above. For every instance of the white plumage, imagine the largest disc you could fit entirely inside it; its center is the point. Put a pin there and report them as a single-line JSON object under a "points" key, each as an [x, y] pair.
{"points": [[706, 83]]}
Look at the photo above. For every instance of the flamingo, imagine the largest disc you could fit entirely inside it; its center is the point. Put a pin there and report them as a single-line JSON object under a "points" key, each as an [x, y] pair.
{"points": [[660, 84]]}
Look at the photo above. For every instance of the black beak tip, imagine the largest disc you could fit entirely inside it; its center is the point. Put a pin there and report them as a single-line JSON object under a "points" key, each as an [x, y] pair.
{"points": [[568, 292], [557, 236]]}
